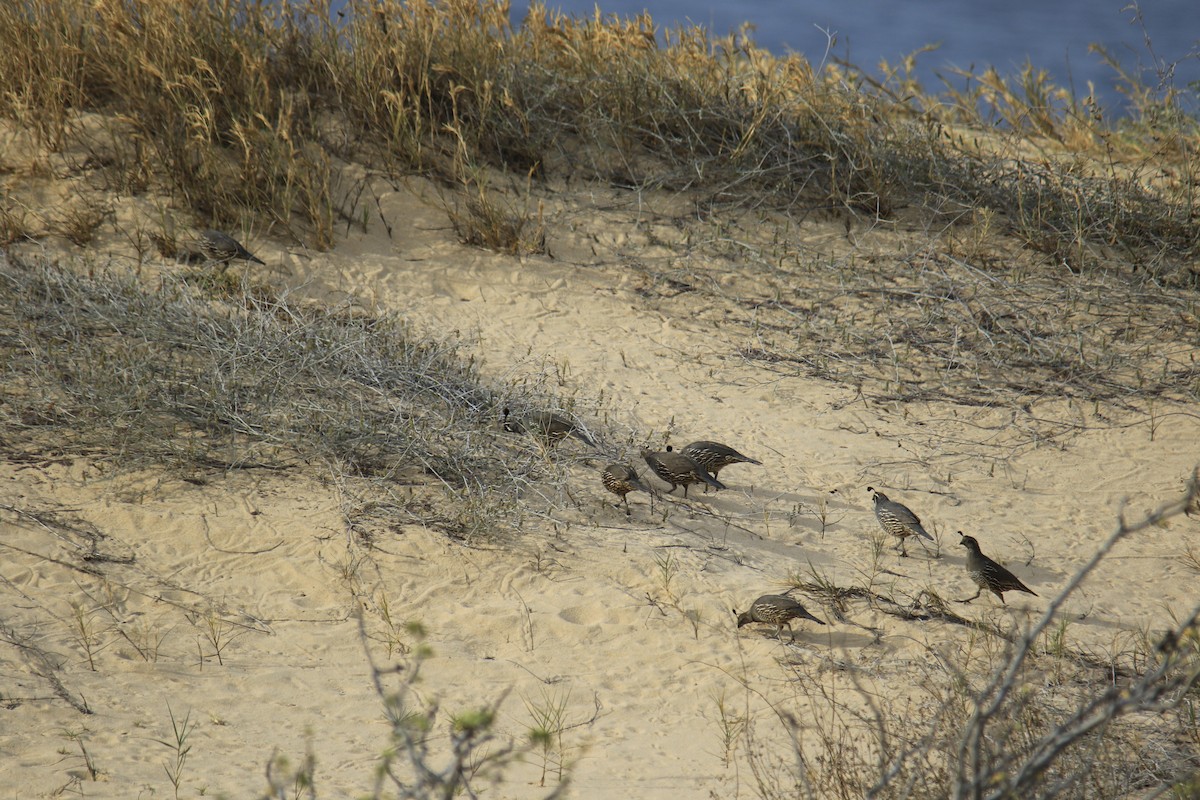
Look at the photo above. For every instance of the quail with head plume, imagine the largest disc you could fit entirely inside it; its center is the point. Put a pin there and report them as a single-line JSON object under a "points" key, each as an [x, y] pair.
{"points": [[621, 479], [220, 247], [548, 426], [678, 469], [989, 575], [714, 456], [898, 520], [775, 609]]}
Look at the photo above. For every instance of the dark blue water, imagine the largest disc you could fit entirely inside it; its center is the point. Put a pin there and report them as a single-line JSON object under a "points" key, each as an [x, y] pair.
{"points": [[1052, 34]]}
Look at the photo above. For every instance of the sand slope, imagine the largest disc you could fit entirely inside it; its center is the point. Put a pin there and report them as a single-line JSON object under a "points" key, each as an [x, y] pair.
{"points": [[624, 623]]}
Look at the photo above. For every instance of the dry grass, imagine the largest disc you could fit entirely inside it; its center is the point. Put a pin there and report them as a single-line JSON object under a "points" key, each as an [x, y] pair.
{"points": [[242, 109], [105, 368], [1058, 260]]}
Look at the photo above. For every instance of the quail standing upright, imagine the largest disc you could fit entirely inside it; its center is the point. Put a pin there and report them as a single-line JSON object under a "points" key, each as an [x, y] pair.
{"points": [[621, 479], [989, 575], [898, 520], [776, 609], [220, 247], [678, 469], [714, 456], [548, 426]]}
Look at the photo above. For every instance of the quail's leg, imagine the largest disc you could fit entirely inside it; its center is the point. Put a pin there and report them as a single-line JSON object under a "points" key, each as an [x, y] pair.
{"points": [[969, 599]]}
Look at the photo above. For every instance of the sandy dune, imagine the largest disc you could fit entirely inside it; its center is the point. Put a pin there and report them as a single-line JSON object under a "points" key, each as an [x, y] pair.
{"points": [[624, 623]]}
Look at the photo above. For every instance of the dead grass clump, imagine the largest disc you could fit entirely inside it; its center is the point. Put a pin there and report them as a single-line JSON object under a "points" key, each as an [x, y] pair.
{"points": [[481, 217], [103, 367]]}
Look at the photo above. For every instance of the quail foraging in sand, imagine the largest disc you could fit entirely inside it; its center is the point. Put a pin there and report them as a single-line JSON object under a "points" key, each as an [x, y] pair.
{"points": [[714, 456], [898, 520], [548, 426], [678, 469], [775, 609], [989, 575], [218, 246], [621, 479]]}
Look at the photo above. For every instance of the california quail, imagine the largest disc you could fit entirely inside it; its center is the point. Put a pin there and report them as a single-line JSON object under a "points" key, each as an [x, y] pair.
{"points": [[221, 247], [776, 609], [989, 575], [714, 456], [898, 519], [551, 428], [621, 479], [679, 470]]}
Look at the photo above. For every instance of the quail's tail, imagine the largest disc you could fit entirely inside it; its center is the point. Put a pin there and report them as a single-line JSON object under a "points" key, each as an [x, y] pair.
{"points": [[583, 436]]}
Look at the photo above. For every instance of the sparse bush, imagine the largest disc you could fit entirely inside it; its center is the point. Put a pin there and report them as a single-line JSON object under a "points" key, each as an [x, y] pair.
{"points": [[102, 365]]}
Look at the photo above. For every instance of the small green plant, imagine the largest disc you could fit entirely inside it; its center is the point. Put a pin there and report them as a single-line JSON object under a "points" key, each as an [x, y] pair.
{"points": [[180, 748], [86, 633], [545, 735], [668, 567], [730, 727], [1056, 639], [393, 636], [89, 763], [145, 636]]}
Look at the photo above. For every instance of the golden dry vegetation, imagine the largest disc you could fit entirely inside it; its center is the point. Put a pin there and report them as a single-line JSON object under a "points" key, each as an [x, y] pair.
{"points": [[978, 281]]}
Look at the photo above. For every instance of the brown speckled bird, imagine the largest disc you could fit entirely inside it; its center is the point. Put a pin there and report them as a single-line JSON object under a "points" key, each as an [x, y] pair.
{"points": [[775, 609], [220, 247], [714, 456], [898, 520], [621, 479], [549, 427], [678, 469], [989, 575]]}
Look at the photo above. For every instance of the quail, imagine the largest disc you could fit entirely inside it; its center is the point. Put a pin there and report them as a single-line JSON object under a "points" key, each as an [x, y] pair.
{"points": [[898, 520], [989, 575], [714, 456], [621, 479], [679, 470], [775, 609], [551, 428], [221, 247]]}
